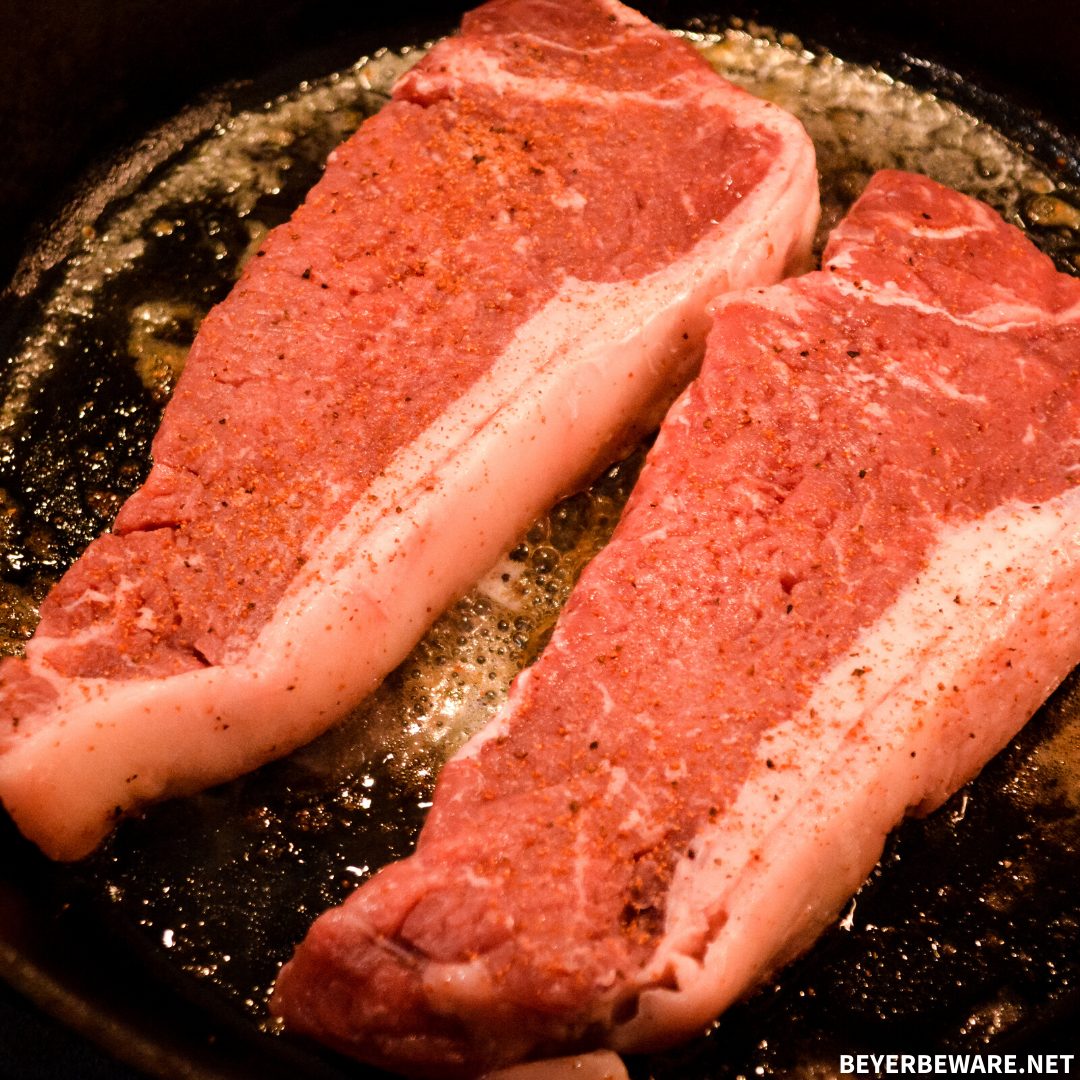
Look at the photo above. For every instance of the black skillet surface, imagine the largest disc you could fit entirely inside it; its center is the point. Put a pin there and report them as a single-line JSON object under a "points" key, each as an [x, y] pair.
{"points": [[79, 78]]}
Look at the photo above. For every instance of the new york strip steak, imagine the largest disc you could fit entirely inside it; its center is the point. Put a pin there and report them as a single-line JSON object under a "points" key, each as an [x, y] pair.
{"points": [[499, 281], [847, 576]]}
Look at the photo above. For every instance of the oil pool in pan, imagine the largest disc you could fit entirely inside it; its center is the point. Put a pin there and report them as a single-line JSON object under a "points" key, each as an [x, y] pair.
{"points": [[964, 937]]}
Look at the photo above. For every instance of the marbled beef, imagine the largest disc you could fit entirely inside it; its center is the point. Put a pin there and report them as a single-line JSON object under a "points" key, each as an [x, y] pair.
{"points": [[849, 573], [499, 281]]}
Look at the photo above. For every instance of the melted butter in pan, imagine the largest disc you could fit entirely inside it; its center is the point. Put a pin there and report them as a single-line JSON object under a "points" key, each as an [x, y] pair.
{"points": [[964, 936]]}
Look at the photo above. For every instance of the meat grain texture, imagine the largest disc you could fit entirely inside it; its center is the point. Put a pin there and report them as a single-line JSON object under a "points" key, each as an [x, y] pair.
{"points": [[499, 282], [847, 576]]}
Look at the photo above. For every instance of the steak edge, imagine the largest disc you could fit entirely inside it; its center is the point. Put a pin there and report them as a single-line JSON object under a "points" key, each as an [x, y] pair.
{"points": [[828, 604], [499, 282]]}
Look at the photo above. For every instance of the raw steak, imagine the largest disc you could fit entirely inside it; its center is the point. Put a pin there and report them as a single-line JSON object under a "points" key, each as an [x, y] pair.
{"points": [[847, 575], [499, 281]]}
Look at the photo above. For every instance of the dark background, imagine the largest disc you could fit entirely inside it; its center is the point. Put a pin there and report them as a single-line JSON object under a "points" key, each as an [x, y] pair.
{"points": [[81, 81]]}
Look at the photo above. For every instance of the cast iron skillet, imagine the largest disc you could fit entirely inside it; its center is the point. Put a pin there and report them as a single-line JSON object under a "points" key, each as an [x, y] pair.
{"points": [[80, 85]]}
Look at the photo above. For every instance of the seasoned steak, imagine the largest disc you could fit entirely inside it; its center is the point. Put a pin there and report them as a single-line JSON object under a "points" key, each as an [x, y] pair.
{"points": [[847, 576], [499, 281]]}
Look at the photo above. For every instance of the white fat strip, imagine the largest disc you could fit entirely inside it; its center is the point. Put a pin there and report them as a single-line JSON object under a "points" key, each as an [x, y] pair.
{"points": [[981, 220], [584, 860], [780, 863], [844, 260], [36, 653], [607, 702], [1015, 315], [932, 385], [998, 318], [95, 596], [471, 63], [987, 223]]}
